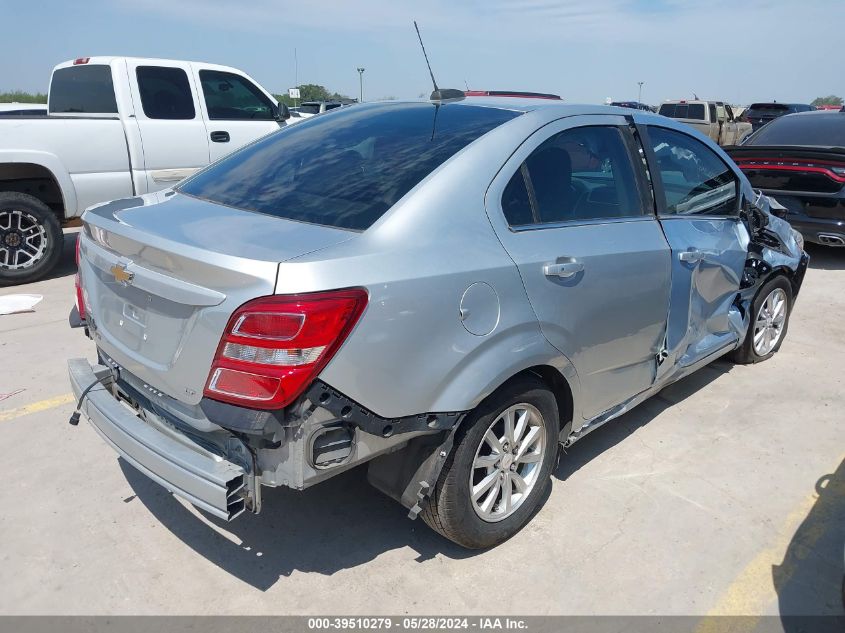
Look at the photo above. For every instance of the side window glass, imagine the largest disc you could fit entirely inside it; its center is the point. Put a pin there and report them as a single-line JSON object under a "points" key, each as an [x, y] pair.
{"points": [[581, 174], [515, 200], [713, 116], [230, 97], [695, 179], [165, 93]]}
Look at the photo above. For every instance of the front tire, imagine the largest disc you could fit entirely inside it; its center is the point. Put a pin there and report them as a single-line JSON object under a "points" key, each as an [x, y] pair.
{"points": [[770, 312], [495, 478], [31, 238]]}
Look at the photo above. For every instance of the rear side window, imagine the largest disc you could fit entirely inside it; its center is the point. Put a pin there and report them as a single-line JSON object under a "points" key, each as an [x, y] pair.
{"points": [[580, 174], [824, 130], [165, 93], [82, 89], [345, 170], [230, 97], [696, 181]]}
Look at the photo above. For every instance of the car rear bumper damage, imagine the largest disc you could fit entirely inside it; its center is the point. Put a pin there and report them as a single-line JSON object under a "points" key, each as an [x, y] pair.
{"points": [[221, 467], [188, 470]]}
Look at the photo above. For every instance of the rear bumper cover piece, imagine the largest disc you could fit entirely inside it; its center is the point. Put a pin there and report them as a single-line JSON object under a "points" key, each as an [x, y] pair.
{"points": [[186, 469]]}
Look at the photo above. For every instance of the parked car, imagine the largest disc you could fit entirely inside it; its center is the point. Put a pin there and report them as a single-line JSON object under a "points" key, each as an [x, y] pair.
{"points": [[758, 114], [319, 107], [445, 290], [22, 109], [117, 126], [800, 160], [632, 105], [712, 118]]}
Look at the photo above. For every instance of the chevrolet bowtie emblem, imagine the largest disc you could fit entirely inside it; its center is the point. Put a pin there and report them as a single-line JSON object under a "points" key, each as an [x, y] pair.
{"points": [[121, 275]]}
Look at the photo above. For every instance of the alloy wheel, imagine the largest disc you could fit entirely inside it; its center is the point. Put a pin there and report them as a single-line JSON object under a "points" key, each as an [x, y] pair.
{"points": [[23, 239], [768, 326], [507, 462]]}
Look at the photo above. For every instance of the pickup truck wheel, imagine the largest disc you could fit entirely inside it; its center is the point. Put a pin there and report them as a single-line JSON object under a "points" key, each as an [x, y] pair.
{"points": [[31, 238], [769, 320], [494, 480]]}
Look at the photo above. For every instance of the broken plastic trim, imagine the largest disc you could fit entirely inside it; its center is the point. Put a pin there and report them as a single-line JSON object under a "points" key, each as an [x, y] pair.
{"points": [[321, 395]]}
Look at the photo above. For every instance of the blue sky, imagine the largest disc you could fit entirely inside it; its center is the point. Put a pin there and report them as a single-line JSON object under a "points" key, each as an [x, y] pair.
{"points": [[585, 50]]}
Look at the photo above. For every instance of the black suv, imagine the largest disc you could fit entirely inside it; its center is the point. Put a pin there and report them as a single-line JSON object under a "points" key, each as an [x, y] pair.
{"points": [[758, 114]]}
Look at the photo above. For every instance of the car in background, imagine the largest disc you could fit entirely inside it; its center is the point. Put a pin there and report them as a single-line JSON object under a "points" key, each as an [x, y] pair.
{"points": [[830, 107], [758, 114], [311, 108], [712, 118], [444, 290], [633, 105], [799, 159], [23, 109]]}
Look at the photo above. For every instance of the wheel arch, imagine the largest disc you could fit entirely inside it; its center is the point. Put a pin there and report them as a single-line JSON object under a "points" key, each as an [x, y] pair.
{"points": [[557, 384], [42, 176]]}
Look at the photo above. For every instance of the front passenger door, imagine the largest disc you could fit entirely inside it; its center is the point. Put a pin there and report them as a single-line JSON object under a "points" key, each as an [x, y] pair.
{"points": [[698, 207]]}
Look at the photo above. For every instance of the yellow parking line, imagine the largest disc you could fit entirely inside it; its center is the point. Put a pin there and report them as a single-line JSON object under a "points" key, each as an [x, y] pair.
{"points": [[35, 407], [752, 590]]}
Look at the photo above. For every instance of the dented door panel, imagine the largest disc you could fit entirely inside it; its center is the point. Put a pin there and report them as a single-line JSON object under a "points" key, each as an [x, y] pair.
{"points": [[708, 259]]}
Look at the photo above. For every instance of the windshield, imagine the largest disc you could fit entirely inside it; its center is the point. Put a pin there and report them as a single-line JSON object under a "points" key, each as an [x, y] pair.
{"points": [[767, 109], [823, 130], [345, 170]]}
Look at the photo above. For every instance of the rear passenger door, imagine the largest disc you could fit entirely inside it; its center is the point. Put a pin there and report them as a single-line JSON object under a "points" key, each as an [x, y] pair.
{"points": [[572, 209], [169, 121], [698, 206], [236, 110]]}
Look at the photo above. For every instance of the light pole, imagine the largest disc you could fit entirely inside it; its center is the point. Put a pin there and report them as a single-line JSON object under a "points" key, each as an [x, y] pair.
{"points": [[640, 97], [361, 85]]}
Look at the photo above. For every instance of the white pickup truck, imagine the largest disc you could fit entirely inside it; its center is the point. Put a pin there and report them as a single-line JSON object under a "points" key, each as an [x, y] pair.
{"points": [[116, 127]]}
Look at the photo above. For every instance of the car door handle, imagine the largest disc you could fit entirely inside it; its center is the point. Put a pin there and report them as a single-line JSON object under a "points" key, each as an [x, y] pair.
{"points": [[221, 136], [691, 256], [567, 269]]}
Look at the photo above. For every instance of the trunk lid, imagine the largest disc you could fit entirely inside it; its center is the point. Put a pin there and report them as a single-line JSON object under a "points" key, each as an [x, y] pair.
{"points": [[788, 168], [162, 273]]}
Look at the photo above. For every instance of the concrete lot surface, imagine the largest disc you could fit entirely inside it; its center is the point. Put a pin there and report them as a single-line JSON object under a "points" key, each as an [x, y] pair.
{"points": [[724, 494]]}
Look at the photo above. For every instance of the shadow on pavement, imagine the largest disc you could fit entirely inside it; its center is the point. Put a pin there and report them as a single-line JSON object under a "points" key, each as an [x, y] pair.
{"points": [[826, 257], [67, 261], [344, 522], [615, 431], [337, 524], [809, 581]]}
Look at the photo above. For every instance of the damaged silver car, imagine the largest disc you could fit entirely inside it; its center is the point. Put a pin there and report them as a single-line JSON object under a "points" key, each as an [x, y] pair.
{"points": [[447, 290]]}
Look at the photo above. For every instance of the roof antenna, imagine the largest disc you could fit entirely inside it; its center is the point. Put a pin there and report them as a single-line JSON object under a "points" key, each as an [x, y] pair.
{"points": [[438, 94]]}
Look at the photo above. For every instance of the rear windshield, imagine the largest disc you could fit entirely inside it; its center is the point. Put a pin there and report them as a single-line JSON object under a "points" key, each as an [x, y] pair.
{"points": [[345, 169], [825, 130], [769, 108], [85, 89], [683, 111]]}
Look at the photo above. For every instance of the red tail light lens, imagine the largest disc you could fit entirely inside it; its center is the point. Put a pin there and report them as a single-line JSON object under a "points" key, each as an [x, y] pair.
{"points": [[274, 347], [80, 300]]}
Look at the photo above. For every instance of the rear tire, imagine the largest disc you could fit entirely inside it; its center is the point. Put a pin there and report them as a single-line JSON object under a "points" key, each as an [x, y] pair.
{"points": [[31, 238], [770, 311], [522, 419]]}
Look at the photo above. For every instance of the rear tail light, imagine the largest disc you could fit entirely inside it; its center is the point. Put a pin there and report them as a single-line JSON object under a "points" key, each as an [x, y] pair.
{"points": [[81, 60], [80, 298], [274, 347]]}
